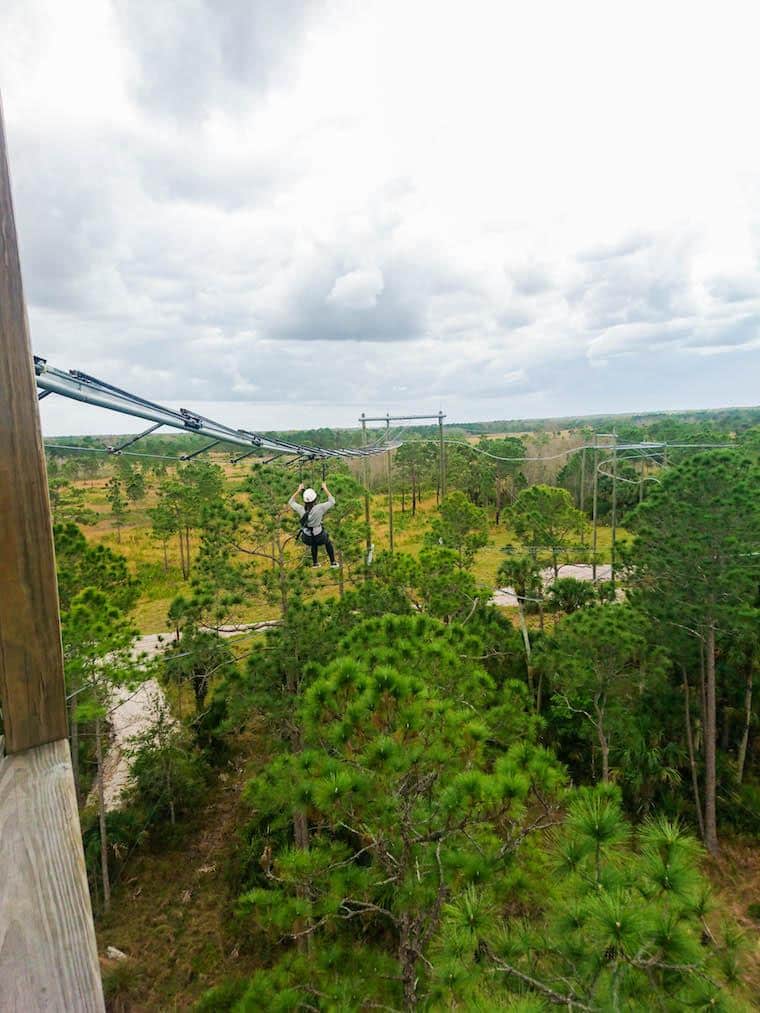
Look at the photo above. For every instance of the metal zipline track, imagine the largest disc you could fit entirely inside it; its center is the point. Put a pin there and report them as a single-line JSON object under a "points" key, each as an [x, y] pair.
{"points": [[89, 390]]}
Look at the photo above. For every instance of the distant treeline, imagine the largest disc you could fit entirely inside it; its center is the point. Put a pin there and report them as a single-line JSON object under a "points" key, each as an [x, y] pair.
{"points": [[643, 425]]}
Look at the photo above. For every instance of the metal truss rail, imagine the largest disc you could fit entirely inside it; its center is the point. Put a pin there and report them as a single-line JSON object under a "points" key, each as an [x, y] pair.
{"points": [[80, 386]]}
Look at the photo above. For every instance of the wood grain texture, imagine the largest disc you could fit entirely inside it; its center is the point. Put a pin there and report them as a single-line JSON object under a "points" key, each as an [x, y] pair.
{"points": [[48, 953], [31, 663]]}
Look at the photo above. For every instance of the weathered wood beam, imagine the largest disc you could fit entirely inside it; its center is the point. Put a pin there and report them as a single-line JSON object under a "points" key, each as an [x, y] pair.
{"points": [[48, 953], [31, 662]]}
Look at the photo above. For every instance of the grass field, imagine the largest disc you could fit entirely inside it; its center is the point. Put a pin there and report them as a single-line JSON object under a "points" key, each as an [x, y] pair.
{"points": [[161, 580]]}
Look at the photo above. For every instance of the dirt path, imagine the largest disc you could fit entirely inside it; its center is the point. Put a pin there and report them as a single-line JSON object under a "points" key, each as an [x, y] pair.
{"points": [[172, 913], [580, 571], [133, 712], [152, 644]]}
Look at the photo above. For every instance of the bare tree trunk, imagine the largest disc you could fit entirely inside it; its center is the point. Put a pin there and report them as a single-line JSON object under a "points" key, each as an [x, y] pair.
{"points": [[702, 690], [742, 755], [692, 759], [102, 819], [408, 961], [170, 794], [605, 756], [282, 577], [711, 826], [166, 557], [603, 742], [524, 627], [414, 493], [182, 553]]}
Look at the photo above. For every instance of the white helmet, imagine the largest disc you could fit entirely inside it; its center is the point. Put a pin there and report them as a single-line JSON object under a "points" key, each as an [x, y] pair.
{"points": [[309, 496]]}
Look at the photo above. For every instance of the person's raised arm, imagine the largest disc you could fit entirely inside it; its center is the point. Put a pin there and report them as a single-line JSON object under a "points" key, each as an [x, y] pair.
{"points": [[330, 497], [292, 501]]}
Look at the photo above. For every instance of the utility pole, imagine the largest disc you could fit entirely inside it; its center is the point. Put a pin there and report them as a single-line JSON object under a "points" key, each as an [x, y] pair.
{"points": [[594, 508], [583, 492], [387, 419], [614, 509], [442, 463], [48, 953], [390, 486], [365, 463]]}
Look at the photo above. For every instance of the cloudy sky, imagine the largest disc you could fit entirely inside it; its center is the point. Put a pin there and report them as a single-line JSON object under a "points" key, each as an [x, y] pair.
{"points": [[283, 212]]}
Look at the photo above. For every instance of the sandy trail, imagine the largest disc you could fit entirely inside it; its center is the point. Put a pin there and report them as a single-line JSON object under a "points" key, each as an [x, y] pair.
{"points": [[581, 571], [132, 712]]}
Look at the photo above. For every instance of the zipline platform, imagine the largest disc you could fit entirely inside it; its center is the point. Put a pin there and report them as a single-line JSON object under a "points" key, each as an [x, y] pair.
{"points": [[48, 953]]}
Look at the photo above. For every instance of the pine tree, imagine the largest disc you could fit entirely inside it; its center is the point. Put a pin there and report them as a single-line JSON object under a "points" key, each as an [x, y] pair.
{"points": [[118, 504], [694, 568], [404, 808]]}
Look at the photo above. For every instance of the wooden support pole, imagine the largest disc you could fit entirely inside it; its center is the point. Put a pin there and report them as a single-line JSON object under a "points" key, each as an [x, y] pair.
{"points": [[390, 488], [365, 462], [48, 952], [582, 497], [442, 451], [594, 503], [613, 547], [31, 661]]}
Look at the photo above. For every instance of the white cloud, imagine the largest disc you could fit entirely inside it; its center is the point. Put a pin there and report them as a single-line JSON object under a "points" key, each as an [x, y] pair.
{"points": [[357, 290], [211, 197]]}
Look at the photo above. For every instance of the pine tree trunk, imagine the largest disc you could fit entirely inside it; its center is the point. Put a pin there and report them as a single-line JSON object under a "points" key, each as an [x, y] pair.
{"points": [[102, 819], [182, 554], [414, 493], [604, 746], [692, 758], [711, 826], [166, 558], [170, 794], [524, 627], [408, 961], [282, 578], [341, 579], [742, 755]]}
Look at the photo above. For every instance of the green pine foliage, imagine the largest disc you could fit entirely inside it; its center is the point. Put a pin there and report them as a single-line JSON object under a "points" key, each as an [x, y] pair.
{"points": [[405, 807]]}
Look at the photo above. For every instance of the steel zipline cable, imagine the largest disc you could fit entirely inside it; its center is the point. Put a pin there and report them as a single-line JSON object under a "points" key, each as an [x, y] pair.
{"points": [[601, 447], [88, 389]]}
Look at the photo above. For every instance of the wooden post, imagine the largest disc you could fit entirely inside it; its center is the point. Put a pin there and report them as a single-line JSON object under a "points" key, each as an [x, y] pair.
{"points": [[31, 661], [365, 462], [390, 488], [582, 497], [594, 509], [613, 555], [442, 449], [48, 952]]}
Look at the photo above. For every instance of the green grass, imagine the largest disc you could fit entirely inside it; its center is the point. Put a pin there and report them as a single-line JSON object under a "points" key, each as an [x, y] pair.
{"points": [[161, 578]]}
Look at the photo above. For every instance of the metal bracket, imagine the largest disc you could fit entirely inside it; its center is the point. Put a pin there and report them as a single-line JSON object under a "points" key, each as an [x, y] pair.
{"points": [[195, 453], [118, 450]]}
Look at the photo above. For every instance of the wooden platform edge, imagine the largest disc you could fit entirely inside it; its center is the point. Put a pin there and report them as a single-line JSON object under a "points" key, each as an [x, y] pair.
{"points": [[48, 951]]}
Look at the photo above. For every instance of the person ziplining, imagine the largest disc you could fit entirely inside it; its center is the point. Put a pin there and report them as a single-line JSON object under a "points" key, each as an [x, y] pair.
{"points": [[311, 513]]}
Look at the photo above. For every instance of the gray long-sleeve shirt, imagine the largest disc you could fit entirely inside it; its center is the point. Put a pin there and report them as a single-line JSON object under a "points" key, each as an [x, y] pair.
{"points": [[316, 513]]}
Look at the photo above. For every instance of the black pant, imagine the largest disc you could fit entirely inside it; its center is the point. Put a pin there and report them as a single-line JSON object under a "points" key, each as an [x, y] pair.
{"points": [[321, 539]]}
